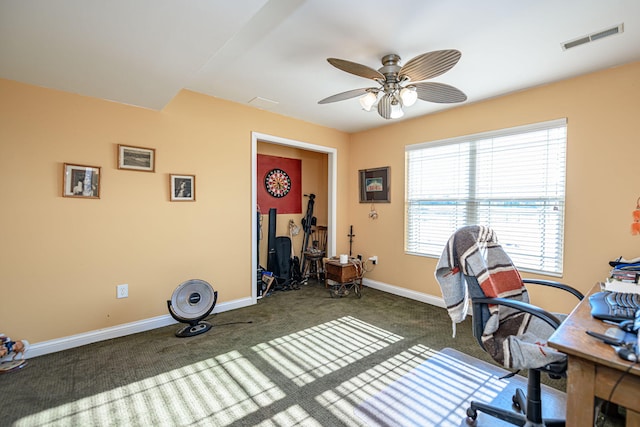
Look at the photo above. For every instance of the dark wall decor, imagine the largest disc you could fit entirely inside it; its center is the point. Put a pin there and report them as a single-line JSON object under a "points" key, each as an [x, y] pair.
{"points": [[183, 188], [374, 185], [279, 184]]}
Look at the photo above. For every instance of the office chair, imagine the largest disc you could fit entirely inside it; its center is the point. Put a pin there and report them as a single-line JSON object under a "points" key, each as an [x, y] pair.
{"points": [[474, 267], [314, 255]]}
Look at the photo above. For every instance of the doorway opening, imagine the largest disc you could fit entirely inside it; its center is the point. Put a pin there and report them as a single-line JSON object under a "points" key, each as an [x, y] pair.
{"points": [[331, 194]]}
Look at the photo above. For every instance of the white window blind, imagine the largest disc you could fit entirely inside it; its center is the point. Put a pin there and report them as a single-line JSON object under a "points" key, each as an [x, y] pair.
{"points": [[512, 180]]}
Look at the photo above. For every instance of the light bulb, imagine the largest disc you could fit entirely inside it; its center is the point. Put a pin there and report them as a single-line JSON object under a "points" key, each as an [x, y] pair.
{"points": [[396, 110], [368, 100], [409, 96]]}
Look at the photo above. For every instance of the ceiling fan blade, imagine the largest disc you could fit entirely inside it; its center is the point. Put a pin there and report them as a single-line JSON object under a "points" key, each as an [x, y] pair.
{"points": [[357, 69], [344, 95], [439, 92], [430, 65]]}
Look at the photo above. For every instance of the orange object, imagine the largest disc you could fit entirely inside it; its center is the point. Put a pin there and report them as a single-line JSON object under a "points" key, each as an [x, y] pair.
{"points": [[635, 226]]}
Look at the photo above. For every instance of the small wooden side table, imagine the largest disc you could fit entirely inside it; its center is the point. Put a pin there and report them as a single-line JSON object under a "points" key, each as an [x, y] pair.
{"points": [[345, 278], [341, 273]]}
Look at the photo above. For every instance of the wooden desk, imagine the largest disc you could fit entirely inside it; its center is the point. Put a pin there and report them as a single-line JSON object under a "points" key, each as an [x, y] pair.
{"points": [[594, 369]]}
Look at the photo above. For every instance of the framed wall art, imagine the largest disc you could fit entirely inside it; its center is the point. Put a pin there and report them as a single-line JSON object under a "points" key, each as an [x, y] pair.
{"points": [[81, 181], [183, 188], [374, 185], [136, 158]]}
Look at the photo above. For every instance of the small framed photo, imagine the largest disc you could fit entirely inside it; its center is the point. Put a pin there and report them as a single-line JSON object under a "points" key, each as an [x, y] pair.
{"points": [[136, 158], [81, 181], [374, 185], [183, 188]]}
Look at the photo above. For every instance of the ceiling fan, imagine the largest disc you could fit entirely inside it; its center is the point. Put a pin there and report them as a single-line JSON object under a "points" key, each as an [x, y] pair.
{"points": [[400, 86]]}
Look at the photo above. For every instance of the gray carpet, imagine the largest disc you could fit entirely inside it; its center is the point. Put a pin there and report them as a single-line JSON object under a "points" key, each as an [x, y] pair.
{"points": [[295, 358]]}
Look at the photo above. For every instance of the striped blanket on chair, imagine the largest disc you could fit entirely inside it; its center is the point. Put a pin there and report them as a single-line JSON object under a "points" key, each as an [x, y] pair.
{"points": [[513, 338]]}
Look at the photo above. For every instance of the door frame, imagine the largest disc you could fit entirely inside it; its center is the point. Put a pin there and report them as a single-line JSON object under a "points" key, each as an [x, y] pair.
{"points": [[332, 162]]}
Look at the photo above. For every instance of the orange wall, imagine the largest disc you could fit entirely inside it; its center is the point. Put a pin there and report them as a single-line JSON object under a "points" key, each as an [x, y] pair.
{"points": [[603, 177], [61, 258]]}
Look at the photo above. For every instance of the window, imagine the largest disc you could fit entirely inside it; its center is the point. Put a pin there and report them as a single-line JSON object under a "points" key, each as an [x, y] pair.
{"points": [[512, 180]]}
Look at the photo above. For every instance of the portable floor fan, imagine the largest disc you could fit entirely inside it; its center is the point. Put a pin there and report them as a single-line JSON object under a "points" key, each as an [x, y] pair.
{"points": [[191, 302]]}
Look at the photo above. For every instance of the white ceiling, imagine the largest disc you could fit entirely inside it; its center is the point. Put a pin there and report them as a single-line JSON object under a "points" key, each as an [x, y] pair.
{"points": [[143, 52]]}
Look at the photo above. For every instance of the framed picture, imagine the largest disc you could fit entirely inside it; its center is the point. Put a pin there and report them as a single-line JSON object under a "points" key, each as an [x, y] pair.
{"points": [[374, 185], [183, 188], [81, 181], [136, 158]]}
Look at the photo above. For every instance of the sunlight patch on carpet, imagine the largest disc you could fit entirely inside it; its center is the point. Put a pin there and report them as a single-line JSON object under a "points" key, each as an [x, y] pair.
{"points": [[348, 395], [435, 393], [293, 416], [228, 387], [312, 353]]}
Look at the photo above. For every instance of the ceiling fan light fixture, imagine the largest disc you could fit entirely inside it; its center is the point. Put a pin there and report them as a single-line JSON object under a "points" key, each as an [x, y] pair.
{"points": [[367, 100], [401, 86], [409, 96], [396, 109]]}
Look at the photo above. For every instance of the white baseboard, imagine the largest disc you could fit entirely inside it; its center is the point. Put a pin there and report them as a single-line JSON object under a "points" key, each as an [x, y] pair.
{"points": [[407, 293], [65, 343]]}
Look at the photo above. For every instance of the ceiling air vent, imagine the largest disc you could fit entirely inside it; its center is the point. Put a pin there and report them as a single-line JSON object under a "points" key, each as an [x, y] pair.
{"points": [[262, 103], [593, 37]]}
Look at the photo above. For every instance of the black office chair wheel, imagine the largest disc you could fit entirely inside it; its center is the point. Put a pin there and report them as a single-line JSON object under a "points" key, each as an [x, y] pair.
{"points": [[516, 404], [519, 400], [472, 416]]}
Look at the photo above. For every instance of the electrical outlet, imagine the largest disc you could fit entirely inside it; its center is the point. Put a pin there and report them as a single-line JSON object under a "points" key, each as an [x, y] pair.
{"points": [[122, 291], [374, 259], [360, 257]]}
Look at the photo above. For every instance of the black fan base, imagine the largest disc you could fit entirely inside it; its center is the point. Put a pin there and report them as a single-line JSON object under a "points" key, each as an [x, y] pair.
{"points": [[193, 329]]}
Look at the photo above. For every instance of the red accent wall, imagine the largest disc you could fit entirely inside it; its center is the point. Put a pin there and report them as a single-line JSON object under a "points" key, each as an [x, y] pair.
{"points": [[292, 202]]}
